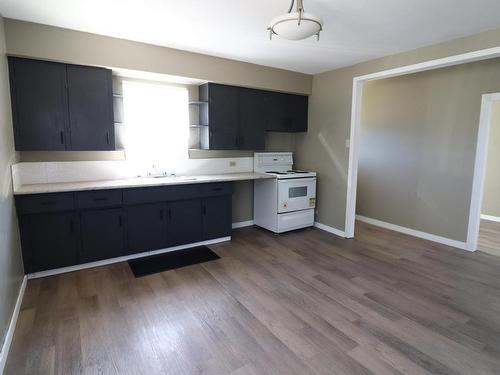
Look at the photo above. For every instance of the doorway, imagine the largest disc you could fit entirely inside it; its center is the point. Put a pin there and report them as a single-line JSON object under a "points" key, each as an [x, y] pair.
{"points": [[357, 92], [489, 227]]}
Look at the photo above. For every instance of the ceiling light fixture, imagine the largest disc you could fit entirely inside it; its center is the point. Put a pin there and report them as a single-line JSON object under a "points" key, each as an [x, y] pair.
{"points": [[296, 25]]}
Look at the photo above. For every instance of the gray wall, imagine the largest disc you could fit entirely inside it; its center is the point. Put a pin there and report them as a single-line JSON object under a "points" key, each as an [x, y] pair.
{"points": [[323, 147], [491, 197], [11, 269], [418, 146]]}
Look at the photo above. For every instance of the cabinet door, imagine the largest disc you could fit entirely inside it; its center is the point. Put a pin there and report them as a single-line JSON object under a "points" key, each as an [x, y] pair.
{"points": [[274, 110], [50, 241], [102, 235], [90, 100], [252, 120], [223, 117], [184, 222], [39, 104], [147, 227], [217, 217], [296, 113]]}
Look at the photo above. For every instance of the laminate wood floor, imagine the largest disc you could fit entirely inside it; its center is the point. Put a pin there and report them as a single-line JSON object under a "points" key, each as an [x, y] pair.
{"points": [[489, 237], [305, 302]]}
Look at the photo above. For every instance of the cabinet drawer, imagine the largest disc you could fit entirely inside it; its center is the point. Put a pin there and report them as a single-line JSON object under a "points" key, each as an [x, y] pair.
{"points": [[31, 204], [160, 194], [99, 198], [215, 189]]}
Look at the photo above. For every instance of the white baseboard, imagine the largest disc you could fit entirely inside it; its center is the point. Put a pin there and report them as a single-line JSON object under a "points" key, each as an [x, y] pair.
{"points": [[413, 232], [329, 229], [491, 218], [12, 326], [104, 262], [242, 224]]}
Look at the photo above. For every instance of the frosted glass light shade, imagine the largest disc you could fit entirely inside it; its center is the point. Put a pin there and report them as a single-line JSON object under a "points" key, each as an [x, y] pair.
{"points": [[287, 26]]}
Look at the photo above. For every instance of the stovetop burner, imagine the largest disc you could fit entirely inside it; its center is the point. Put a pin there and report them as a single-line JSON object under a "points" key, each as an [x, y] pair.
{"points": [[279, 165]]}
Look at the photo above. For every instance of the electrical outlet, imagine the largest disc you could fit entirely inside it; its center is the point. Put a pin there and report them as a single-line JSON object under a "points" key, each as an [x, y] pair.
{"points": [[232, 163], [347, 143]]}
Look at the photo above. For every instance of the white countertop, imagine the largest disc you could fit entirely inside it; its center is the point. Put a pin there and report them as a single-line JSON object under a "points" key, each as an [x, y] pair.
{"points": [[134, 182]]}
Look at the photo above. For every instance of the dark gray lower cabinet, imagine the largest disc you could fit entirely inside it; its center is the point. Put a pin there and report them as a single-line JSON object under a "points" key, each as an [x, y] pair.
{"points": [[184, 222], [103, 234], [147, 227], [217, 217], [64, 229], [50, 240]]}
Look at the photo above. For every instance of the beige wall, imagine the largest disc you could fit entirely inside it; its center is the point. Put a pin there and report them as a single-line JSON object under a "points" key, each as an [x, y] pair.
{"points": [[418, 143], [491, 197], [323, 148], [52, 43], [11, 269]]}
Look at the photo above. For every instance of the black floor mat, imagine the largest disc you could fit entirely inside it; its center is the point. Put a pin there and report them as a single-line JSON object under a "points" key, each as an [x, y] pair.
{"points": [[169, 261]]}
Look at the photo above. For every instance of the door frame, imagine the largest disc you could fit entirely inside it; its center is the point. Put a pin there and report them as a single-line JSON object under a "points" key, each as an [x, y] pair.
{"points": [[479, 178], [354, 142]]}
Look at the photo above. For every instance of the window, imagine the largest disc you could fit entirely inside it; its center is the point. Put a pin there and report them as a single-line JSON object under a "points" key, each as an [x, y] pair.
{"points": [[156, 120], [296, 192]]}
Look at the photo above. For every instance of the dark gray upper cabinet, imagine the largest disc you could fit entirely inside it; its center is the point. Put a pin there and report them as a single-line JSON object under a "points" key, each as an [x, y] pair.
{"points": [[221, 114], [286, 112], [296, 108], [61, 107], [252, 120], [237, 118], [274, 107], [39, 104], [90, 103]]}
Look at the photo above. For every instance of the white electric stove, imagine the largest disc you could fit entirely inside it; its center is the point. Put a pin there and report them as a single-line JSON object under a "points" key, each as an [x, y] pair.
{"points": [[286, 202]]}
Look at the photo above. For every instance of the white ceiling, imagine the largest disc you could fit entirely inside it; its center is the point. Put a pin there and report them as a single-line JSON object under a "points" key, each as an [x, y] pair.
{"points": [[355, 30]]}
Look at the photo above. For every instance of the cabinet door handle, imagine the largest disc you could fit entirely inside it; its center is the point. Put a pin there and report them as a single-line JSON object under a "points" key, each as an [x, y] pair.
{"points": [[107, 138], [217, 189], [203, 209], [100, 199], [71, 226], [161, 214], [61, 134], [120, 220], [170, 214]]}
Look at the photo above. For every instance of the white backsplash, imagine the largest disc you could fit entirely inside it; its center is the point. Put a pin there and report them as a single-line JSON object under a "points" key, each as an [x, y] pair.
{"points": [[78, 171]]}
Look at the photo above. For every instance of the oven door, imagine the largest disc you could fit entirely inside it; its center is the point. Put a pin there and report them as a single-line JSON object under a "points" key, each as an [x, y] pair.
{"points": [[296, 194]]}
